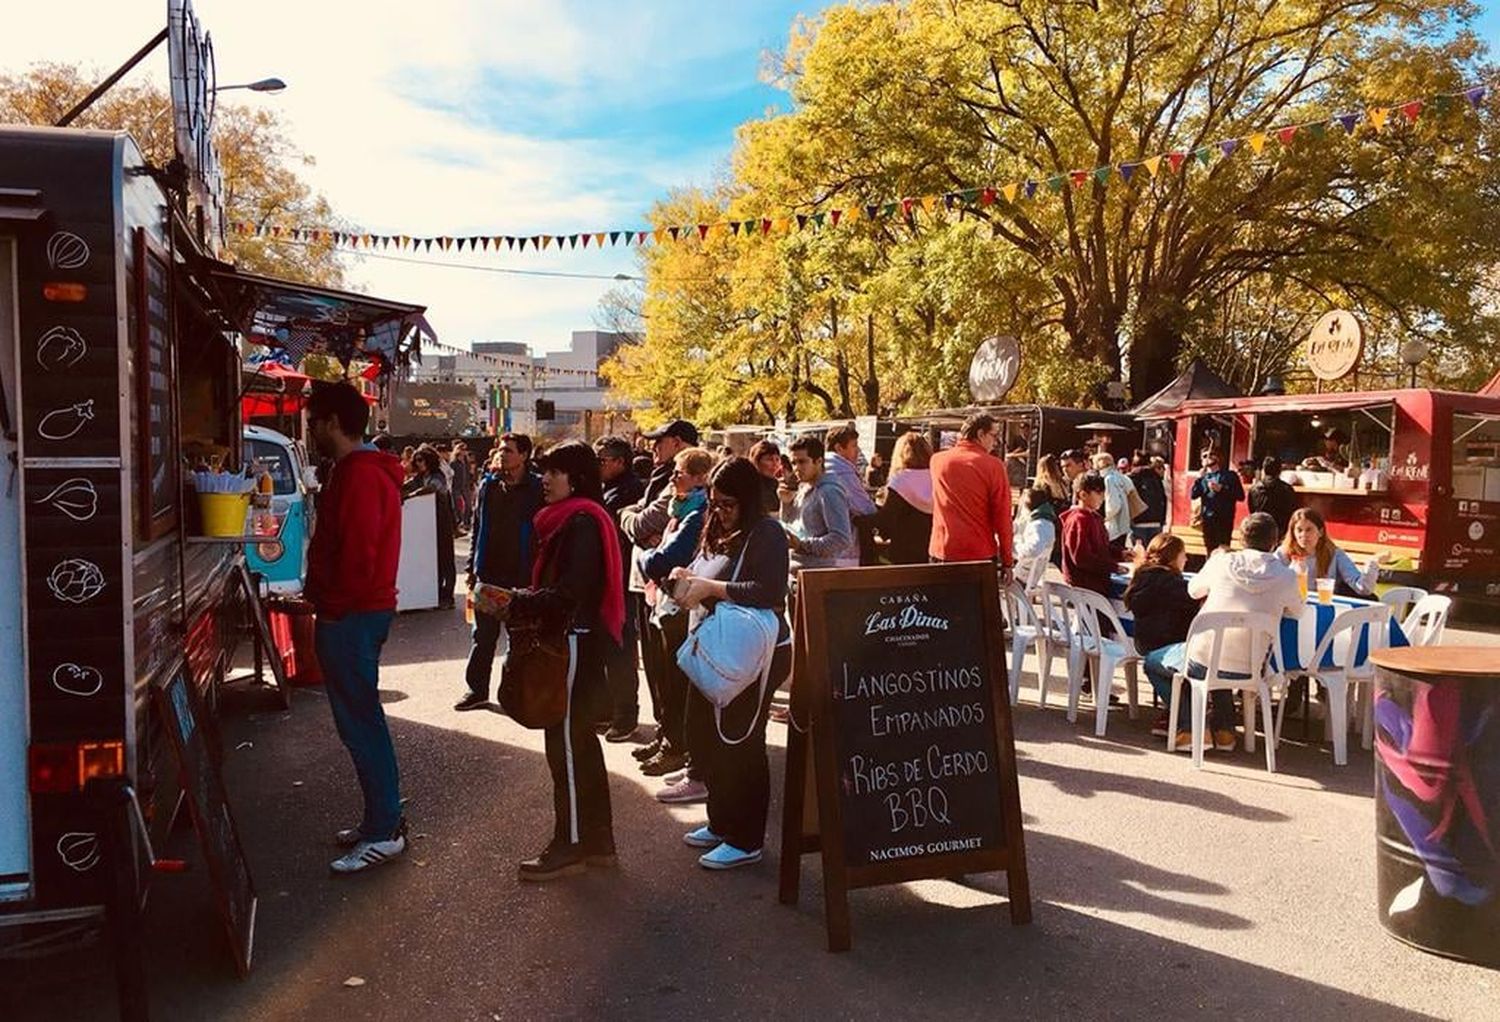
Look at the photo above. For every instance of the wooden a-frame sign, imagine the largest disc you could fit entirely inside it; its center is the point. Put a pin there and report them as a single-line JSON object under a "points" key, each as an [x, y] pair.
{"points": [[900, 705]]}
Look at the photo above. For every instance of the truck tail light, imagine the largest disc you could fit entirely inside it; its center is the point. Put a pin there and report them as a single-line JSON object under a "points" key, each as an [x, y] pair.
{"points": [[62, 768]]}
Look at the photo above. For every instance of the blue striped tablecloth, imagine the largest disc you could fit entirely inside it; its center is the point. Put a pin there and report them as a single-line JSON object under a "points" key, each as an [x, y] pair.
{"points": [[1300, 635]]}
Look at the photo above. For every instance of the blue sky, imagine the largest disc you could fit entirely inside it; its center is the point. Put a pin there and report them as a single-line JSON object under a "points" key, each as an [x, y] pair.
{"points": [[483, 117]]}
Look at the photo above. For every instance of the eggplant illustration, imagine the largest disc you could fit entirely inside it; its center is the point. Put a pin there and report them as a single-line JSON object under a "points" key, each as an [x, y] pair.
{"points": [[66, 251], [76, 581], [64, 423], [77, 679], [75, 498], [62, 347], [79, 850]]}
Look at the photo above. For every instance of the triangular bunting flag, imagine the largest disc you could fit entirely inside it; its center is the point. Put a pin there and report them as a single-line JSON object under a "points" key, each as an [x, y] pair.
{"points": [[1152, 164], [1411, 111], [658, 234], [1318, 129], [572, 241], [1101, 174], [1078, 177], [674, 231], [906, 205], [801, 221], [734, 228], [510, 241], [969, 196], [871, 212], [640, 238], [888, 210], [987, 196], [599, 239], [852, 214], [547, 240], [1285, 135], [819, 218], [1127, 171], [929, 203], [703, 232], [835, 216], [1029, 188], [486, 243], [1442, 104], [784, 224], [426, 244], [585, 239], [1055, 184], [1348, 122], [1228, 146], [1204, 155], [1009, 191], [1379, 115], [1257, 142], [1476, 95], [1175, 161], [765, 226]]}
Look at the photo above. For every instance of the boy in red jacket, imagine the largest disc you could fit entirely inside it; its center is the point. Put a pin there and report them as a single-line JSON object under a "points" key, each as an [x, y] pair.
{"points": [[1087, 560], [351, 581]]}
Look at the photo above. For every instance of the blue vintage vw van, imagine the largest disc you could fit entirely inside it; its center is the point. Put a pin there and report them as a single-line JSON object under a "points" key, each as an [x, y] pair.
{"points": [[285, 569]]}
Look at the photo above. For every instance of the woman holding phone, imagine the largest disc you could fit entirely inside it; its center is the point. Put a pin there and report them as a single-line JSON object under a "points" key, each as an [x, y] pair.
{"points": [[744, 560]]}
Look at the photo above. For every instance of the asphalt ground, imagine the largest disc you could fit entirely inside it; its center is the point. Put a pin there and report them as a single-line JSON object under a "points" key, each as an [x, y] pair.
{"points": [[1158, 891]]}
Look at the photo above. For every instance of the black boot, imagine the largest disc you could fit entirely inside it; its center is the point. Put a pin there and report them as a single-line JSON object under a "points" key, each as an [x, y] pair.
{"points": [[557, 861]]}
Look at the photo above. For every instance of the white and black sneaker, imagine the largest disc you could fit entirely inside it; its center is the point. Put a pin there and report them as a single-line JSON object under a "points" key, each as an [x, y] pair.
{"points": [[364, 854]]}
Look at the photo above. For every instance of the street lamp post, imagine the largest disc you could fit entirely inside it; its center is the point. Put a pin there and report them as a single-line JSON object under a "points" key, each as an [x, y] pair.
{"points": [[1413, 353]]}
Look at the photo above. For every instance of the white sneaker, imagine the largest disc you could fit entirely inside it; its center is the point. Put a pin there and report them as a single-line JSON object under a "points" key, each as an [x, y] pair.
{"points": [[676, 778], [702, 838], [367, 854], [684, 792], [726, 856]]}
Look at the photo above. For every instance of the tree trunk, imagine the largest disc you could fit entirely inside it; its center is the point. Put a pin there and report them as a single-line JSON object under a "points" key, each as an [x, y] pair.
{"points": [[1153, 358], [872, 382]]}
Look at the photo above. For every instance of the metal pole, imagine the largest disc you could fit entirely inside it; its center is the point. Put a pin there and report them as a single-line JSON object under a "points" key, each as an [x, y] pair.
{"points": [[108, 83]]}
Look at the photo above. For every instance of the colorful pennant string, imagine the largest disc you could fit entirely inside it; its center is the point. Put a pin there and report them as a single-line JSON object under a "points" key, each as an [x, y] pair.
{"points": [[1378, 119]]}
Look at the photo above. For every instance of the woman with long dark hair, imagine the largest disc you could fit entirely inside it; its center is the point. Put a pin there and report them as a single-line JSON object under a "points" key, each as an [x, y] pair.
{"points": [[744, 560], [577, 589]]}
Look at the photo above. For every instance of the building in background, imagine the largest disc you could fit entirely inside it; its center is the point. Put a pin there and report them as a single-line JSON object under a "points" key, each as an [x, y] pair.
{"points": [[554, 394]]}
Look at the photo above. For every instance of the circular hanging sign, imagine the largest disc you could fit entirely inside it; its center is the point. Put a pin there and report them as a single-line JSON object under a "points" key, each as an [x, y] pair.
{"points": [[994, 368], [1335, 345]]}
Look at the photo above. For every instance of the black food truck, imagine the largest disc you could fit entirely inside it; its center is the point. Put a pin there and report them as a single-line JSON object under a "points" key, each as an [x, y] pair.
{"points": [[119, 373]]}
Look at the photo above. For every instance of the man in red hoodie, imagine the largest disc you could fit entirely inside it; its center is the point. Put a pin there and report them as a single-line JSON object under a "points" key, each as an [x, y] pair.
{"points": [[351, 581], [971, 512]]}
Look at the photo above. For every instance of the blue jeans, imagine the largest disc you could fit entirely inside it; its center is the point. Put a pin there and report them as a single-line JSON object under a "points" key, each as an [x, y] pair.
{"points": [[349, 653], [1164, 661]]}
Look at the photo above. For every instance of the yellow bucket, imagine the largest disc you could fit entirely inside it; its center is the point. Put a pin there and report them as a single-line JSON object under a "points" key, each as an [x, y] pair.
{"points": [[224, 513]]}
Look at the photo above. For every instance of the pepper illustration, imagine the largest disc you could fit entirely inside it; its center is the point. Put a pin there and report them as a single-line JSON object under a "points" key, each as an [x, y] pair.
{"points": [[62, 347], [76, 581], [63, 423], [75, 498]]}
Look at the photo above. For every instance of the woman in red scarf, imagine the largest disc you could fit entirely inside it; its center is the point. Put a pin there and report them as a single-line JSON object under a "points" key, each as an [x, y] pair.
{"points": [[575, 538]]}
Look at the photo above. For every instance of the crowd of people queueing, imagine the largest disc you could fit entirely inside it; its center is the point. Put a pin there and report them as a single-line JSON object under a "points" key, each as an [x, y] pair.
{"points": [[622, 553]]}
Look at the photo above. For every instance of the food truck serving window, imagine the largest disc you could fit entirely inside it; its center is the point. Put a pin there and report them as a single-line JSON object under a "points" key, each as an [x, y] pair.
{"points": [[1328, 443], [1476, 457]]}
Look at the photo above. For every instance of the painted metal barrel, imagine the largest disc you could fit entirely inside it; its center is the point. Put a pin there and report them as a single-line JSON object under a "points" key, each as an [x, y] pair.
{"points": [[1437, 799]]}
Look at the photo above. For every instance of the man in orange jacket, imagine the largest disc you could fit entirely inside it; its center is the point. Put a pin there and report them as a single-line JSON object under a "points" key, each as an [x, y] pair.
{"points": [[971, 512]]}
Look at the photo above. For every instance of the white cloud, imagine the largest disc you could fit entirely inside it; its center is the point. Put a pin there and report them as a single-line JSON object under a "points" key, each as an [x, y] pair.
{"points": [[391, 163]]}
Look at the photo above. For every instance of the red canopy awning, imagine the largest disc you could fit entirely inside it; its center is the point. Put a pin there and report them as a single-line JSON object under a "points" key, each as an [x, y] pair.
{"points": [[273, 389]]}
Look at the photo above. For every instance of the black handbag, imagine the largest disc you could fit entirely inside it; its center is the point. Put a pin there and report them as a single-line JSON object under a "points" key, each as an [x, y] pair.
{"points": [[534, 679]]}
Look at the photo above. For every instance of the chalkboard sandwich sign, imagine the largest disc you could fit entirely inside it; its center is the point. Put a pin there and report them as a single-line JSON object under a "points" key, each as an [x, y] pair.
{"points": [[900, 672]]}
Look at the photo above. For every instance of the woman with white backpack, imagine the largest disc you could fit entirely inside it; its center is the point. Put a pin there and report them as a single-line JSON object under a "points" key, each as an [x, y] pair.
{"points": [[740, 579]]}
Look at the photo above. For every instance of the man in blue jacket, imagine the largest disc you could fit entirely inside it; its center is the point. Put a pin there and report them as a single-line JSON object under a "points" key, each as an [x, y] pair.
{"points": [[500, 553], [1217, 490]]}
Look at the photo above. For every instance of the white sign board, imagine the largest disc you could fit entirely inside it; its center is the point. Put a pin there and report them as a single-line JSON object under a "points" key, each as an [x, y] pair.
{"points": [[1335, 345], [190, 56]]}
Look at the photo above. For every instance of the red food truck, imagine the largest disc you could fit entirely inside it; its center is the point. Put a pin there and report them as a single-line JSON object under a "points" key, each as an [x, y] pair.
{"points": [[1422, 482]]}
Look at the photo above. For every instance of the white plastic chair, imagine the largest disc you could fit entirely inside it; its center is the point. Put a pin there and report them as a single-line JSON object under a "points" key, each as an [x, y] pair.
{"points": [[1216, 625], [1038, 571], [1104, 654], [1345, 677], [1401, 600], [1425, 624], [1025, 630], [1058, 628]]}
